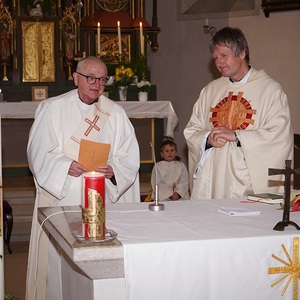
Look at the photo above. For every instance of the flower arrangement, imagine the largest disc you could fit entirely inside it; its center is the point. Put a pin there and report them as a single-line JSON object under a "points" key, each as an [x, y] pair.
{"points": [[124, 76], [144, 86]]}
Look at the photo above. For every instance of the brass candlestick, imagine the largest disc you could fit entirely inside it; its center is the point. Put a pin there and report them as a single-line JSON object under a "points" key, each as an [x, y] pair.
{"points": [[5, 63], [69, 64]]}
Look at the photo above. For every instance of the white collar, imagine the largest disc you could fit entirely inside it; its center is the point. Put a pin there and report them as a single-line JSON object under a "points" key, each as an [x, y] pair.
{"points": [[244, 79]]}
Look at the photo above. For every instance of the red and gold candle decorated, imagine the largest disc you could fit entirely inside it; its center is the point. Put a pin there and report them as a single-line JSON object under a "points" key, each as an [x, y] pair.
{"points": [[93, 205]]}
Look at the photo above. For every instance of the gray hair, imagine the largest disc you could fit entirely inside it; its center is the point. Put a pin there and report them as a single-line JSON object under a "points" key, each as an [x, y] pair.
{"points": [[233, 38]]}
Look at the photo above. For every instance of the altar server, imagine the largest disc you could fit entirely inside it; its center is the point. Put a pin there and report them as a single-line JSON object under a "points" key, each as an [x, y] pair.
{"points": [[172, 175], [54, 141], [240, 126]]}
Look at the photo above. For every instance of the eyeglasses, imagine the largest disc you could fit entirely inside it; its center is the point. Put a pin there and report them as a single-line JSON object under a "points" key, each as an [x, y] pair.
{"points": [[93, 79]]}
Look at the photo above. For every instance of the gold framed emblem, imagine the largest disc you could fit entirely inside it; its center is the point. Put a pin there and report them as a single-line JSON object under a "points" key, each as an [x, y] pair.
{"points": [[39, 93]]}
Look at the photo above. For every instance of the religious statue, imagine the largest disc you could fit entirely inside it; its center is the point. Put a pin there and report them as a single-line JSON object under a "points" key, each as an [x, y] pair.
{"points": [[5, 42], [69, 44], [36, 2], [37, 10]]}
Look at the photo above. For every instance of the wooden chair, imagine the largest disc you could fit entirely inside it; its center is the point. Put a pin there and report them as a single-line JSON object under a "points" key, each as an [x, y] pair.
{"points": [[8, 222]]}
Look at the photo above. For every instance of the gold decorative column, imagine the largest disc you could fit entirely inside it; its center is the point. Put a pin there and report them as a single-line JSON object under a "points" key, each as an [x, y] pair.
{"points": [[5, 38]]}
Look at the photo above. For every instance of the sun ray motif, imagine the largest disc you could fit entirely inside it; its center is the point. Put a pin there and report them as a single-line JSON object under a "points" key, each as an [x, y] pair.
{"points": [[291, 269], [233, 111]]}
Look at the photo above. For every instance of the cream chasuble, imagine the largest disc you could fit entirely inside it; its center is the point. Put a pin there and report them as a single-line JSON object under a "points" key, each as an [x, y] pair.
{"points": [[60, 122], [258, 110]]}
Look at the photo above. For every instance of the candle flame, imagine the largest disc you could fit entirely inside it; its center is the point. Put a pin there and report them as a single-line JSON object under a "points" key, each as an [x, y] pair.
{"points": [[118, 23], [98, 24]]}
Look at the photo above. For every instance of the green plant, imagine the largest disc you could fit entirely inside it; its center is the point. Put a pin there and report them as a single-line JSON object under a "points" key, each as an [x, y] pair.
{"points": [[139, 65], [9, 297], [144, 86]]}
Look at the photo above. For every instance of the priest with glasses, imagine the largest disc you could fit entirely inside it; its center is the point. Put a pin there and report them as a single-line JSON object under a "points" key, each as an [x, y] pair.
{"points": [[54, 141]]}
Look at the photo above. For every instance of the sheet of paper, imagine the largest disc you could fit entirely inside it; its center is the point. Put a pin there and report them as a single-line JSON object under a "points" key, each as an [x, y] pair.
{"points": [[239, 211], [93, 154]]}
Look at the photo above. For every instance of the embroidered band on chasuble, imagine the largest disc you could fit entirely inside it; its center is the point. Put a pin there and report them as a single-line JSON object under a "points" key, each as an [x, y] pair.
{"points": [[89, 127], [233, 111]]}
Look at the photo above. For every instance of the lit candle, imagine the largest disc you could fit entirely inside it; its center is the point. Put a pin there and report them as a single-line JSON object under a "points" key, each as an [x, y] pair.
{"points": [[141, 38], [119, 38], [93, 205], [98, 37]]}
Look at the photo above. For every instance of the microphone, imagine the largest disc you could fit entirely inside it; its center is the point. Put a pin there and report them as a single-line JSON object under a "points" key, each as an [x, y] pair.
{"points": [[156, 206]]}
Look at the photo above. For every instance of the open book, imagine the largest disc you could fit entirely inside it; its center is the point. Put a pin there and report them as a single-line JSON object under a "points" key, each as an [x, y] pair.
{"points": [[268, 198]]}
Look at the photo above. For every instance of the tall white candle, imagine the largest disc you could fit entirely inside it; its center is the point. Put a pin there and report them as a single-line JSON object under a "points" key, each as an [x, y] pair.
{"points": [[141, 38], [98, 38], [206, 22], [119, 38]]}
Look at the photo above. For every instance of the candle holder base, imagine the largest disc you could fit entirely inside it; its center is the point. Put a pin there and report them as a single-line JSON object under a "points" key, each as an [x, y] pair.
{"points": [[109, 236], [156, 206]]}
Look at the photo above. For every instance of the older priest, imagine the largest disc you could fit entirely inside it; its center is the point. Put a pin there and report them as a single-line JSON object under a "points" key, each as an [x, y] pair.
{"points": [[240, 126], [54, 141]]}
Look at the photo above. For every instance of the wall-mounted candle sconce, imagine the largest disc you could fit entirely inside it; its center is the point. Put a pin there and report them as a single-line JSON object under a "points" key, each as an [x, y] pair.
{"points": [[209, 29]]}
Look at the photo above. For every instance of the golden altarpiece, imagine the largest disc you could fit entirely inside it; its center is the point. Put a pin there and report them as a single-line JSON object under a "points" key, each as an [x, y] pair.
{"points": [[42, 40]]}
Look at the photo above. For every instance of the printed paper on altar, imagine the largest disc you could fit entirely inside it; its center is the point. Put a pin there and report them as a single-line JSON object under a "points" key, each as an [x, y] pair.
{"points": [[93, 154]]}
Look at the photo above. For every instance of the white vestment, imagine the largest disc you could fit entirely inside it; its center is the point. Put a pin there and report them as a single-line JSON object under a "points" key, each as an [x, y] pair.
{"points": [[259, 112], [172, 176], [55, 122]]}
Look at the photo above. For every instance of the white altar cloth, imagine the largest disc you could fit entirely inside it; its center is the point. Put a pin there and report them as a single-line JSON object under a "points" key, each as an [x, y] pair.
{"points": [[190, 251], [134, 109]]}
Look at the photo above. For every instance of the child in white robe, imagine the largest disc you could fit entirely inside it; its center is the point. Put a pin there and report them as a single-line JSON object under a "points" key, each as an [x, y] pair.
{"points": [[172, 175]]}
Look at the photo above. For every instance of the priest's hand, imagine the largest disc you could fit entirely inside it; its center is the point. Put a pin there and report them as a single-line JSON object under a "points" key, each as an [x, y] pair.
{"points": [[219, 136], [76, 169], [215, 140], [106, 170]]}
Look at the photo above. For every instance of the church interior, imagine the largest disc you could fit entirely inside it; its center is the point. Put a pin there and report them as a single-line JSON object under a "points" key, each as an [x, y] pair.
{"points": [[164, 42]]}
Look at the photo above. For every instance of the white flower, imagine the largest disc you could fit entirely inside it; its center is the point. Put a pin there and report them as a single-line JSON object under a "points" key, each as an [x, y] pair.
{"points": [[144, 86], [143, 83]]}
